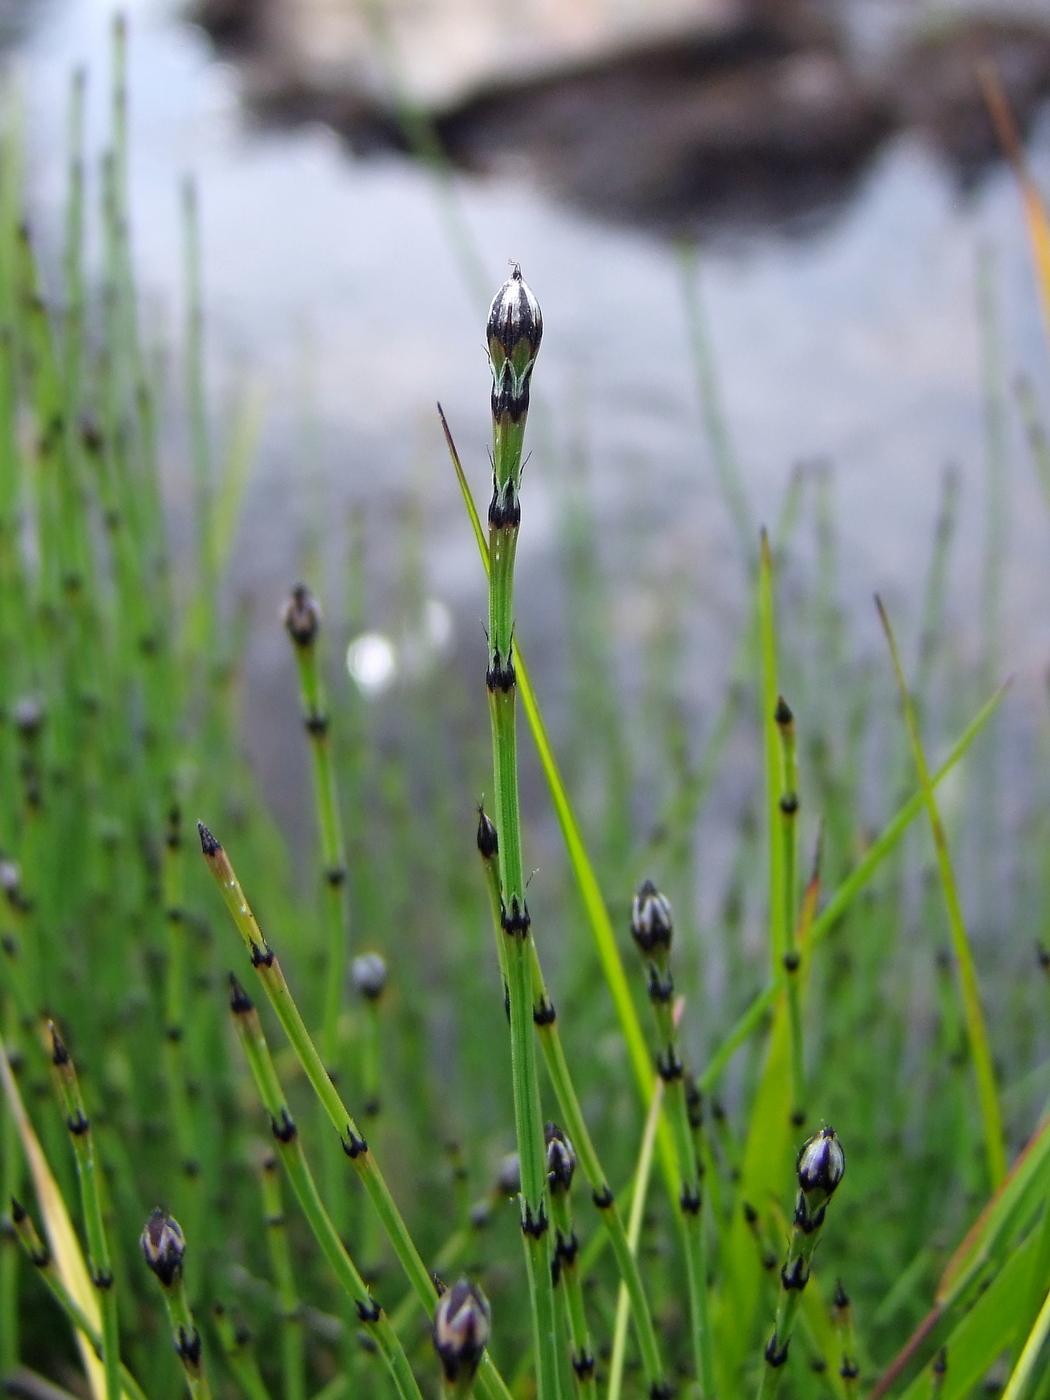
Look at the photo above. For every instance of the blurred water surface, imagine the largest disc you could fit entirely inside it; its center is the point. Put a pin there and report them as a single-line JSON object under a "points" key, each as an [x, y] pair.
{"points": [[338, 286]]}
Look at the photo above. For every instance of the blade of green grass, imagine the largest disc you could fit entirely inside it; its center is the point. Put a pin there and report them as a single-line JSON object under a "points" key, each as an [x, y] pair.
{"points": [[984, 1072]]}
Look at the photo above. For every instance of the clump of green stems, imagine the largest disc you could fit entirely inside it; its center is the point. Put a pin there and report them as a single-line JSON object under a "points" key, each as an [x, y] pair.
{"points": [[118, 723]]}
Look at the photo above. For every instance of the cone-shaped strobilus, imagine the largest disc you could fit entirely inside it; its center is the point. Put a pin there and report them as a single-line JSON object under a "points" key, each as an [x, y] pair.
{"points": [[820, 1167], [460, 1334], [163, 1248]]}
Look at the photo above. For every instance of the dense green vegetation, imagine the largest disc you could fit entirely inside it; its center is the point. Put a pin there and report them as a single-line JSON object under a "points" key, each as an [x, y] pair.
{"points": [[321, 1146]]}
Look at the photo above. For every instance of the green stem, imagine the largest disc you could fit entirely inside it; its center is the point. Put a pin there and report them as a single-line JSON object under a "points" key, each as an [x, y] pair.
{"points": [[292, 1356], [239, 1356], [799, 1256], [634, 1234], [566, 1251], [545, 1019], [767, 634], [583, 871], [40, 1257], [849, 1370], [187, 1339], [302, 619], [787, 806], [513, 333], [843, 897], [91, 1203], [690, 1196], [286, 1138], [268, 970], [820, 1168], [175, 1018]]}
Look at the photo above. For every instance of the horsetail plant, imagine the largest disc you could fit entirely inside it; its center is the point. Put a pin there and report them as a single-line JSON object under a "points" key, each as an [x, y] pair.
{"points": [[545, 1019], [652, 927], [268, 969], [164, 1248], [292, 1358], [39, 1255], [302, 621], [842, 1312], [175, 1014], [788, 809], [88, 1174], [515, 327], [235, 1342], [820, 1167], [368, 973], [561, 1167], [286, 1138]]}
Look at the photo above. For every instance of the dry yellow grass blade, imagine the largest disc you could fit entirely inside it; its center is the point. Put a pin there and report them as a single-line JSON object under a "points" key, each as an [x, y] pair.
{"points": [[1036, 215], [61, 1237]]}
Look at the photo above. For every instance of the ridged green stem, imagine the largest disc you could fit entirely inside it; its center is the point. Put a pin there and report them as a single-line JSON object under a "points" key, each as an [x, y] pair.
{"points": [[175, 1021], [690, 1196], [819, 1169], [590, 891], [634, 1233], [767, 638], [268, 969], [292, 1357], [187, 1338], [843, 897], [236, 1348], [842, 1313], [329, 823], [91, 1203], [787, 805], [286, 1138], [504, 517], [40, 1257], [566, 1248], [546, 1023], [793, 1279]]}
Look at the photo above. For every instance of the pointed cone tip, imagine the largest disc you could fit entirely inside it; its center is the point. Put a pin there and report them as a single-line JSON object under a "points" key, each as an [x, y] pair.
{"points": [[209, 845]]}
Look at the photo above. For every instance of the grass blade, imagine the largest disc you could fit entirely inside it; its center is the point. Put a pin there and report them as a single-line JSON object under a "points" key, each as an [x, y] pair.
{"points": [[977, 1033]]}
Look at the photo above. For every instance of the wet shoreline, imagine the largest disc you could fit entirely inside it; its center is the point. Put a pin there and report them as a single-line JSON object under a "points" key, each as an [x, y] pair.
{"points": [[771, 121]]}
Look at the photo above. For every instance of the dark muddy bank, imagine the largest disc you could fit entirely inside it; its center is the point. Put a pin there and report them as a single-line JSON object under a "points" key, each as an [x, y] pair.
{"points": [[772, 121]]}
